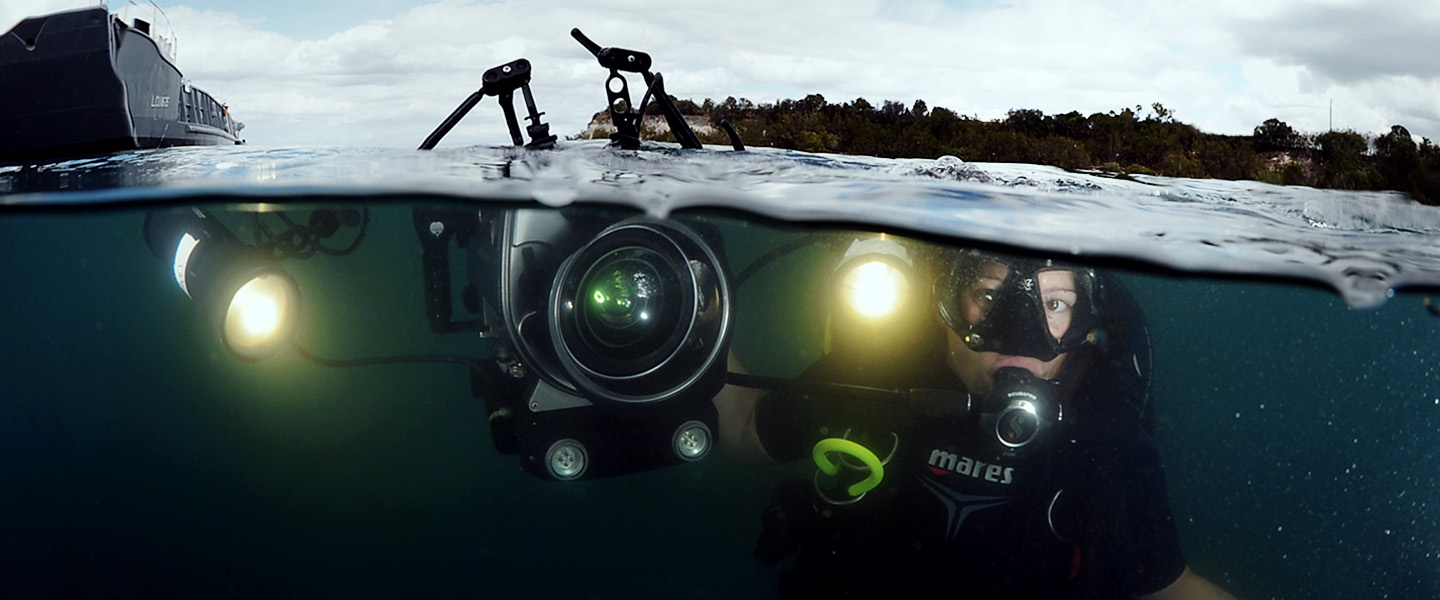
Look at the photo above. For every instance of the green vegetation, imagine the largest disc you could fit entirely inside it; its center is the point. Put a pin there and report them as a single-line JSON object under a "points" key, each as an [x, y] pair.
{"points": [[1123, 142]]}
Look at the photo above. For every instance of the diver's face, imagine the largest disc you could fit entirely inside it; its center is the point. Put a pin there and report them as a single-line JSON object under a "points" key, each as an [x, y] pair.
{"points": [[1058, 296]]}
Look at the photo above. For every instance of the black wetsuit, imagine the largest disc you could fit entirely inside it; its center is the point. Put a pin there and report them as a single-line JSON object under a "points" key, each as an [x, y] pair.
{"points": [[1084, 517]]}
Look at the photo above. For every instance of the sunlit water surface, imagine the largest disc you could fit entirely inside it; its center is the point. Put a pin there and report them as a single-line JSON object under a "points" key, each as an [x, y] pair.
{"points": [[1363, 244]]}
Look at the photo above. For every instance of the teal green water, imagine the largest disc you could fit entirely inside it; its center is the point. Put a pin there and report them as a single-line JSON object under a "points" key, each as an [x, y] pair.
{"points": [[139, 459]]}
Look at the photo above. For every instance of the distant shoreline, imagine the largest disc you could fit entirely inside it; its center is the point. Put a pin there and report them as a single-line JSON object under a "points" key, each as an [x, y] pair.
{"points": [[1127, 141]]}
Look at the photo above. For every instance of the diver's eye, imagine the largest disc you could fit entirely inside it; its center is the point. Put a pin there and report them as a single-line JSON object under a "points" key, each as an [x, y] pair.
{"points": [[982, 298], [1057, 311]]}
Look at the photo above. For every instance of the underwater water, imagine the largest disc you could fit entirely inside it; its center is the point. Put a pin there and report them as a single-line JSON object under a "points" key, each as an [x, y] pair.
{"points": [[1296, 370]]}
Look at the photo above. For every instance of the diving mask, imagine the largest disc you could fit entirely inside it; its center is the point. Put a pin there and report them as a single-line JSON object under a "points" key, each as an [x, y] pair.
{"points": [[1019, 307]]}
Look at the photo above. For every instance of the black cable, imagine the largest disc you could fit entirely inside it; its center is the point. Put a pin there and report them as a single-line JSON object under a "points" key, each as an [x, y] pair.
{"points": [[299, 241], [816, 388], [386, 360], [364, 226], [774, 255]]}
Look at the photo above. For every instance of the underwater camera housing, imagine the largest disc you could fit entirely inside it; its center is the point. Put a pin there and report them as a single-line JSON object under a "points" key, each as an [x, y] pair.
{"points": [[610, 331]]}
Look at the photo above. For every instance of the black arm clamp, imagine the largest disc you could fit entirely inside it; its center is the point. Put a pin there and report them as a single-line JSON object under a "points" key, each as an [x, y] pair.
{"points": [[626, 117], [502, 81]]}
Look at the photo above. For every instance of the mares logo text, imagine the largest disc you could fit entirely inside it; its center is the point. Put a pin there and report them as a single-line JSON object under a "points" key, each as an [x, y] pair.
{"points": [[965, 465]]}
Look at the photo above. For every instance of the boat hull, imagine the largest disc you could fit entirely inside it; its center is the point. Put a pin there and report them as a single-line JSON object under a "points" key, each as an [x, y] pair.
{"points": [[83, 82]]}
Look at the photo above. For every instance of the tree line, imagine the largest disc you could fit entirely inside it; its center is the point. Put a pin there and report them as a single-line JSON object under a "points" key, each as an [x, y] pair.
{"points": [[1126, 141]]}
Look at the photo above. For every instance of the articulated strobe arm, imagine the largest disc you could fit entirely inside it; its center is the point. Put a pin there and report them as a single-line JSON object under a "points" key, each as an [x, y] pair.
{"points": [[626, 117], [502, 81]]}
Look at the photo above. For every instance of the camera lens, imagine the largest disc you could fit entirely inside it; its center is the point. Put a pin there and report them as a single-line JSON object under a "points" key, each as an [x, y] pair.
{"points": [[640, 313], [625, 304], [626, 300]]}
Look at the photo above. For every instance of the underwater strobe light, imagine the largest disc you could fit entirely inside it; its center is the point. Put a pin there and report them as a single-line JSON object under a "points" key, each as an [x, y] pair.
{"points": [[251, 302], [877, 296], [641, 313]]}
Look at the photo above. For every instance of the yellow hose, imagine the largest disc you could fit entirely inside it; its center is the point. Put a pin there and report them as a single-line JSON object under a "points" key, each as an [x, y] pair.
{"points": [[824, 447]]}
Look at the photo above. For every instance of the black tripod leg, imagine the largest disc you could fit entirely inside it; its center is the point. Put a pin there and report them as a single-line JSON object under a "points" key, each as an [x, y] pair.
{"points": [[507, 102], [679, 127], [451, 120]]}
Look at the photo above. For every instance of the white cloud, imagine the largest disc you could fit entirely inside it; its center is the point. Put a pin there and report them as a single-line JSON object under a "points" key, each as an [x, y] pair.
{"points": [[1373, 60], [1351, 42]]}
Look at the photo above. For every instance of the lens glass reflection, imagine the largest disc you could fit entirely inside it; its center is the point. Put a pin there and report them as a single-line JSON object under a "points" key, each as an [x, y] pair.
{"points": [[624, 293]]}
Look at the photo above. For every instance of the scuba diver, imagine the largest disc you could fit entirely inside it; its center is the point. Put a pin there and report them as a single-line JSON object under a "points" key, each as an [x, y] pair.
{"points": [[1003, 449]]}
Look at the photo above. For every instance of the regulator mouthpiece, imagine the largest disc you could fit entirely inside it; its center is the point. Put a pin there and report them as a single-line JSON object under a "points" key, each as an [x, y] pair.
{"points": [[1022, 410]]}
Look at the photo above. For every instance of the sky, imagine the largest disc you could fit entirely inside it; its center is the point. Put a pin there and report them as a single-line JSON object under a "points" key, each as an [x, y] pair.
{"points": [[386, 73]]}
